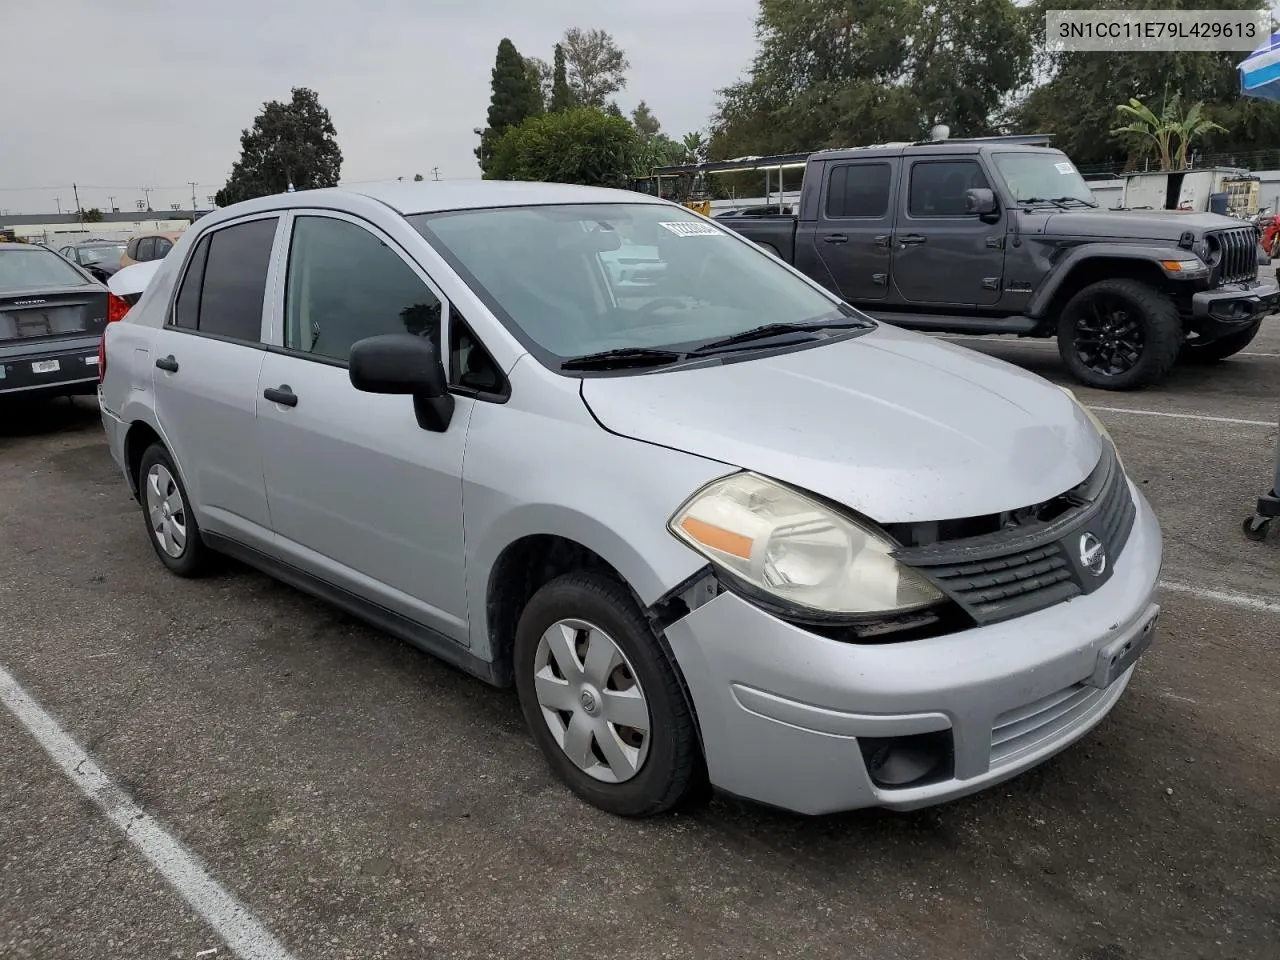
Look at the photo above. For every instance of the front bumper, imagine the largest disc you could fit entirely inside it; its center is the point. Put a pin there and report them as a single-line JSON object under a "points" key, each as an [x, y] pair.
{"points": [[781, 710], [1228, 308], [53, 366]]}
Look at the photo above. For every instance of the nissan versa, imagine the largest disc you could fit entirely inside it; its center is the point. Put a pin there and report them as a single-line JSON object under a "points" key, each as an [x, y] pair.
{"points": [[715, 525]]}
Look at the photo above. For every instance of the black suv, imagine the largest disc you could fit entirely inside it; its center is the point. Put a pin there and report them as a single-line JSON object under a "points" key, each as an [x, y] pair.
{"points": [[1002, 235]]}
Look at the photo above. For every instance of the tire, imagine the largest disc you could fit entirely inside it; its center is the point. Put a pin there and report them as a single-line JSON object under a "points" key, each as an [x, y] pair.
{"points": [[584, 614], [160, 486], [1137, 330], [1195, 351]]}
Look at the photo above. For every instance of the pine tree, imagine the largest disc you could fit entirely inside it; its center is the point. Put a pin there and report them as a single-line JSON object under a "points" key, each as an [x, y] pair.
{"points": [[515, 97], [561, 94]]}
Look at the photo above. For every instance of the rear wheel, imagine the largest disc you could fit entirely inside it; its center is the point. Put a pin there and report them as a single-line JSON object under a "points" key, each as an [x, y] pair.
{"points": [[1119, 334], [603, 699], [1211, 351], [171, 525]]}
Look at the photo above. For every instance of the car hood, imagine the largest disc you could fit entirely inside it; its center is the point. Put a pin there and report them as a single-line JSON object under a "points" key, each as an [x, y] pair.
{"points": [[1134, 224], [896, 426]]}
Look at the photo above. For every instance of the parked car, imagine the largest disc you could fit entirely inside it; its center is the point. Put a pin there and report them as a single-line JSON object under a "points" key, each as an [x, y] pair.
{"points": [[722, 527], [129, 283], [148, 246], [998, 235], [101, 258], [52, 314]]}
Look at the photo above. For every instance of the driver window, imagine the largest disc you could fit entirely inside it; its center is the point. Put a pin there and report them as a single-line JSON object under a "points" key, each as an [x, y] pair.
{"points": [[345, 284], [938, 187]]}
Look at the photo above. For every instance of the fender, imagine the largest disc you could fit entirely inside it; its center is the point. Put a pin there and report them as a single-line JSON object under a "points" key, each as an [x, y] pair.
{"points": [[1151, 253]]}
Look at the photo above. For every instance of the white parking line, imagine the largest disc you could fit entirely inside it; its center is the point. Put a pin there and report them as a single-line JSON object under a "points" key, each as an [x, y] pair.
{"points": [[243, 934], [1222, 596], [1184, 416]]}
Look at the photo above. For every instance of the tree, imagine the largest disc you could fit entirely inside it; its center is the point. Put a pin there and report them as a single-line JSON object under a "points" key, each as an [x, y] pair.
{"points": [[418, 178], [645, 122], [843, 72], [540, 75], [93, 215], [695, 147], [514, 97], [581, 145], [1170, 133], [596, 66], [289, 143], [561, 96]]}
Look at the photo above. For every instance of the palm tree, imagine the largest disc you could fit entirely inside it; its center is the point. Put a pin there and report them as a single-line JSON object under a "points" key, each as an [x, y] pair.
{"points": [[1188, 128], [695, 146], [1167, 128]]}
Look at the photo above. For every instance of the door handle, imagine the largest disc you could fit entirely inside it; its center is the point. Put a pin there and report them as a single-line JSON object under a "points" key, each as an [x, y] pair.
{"points": [[835, 238], [282, 394], [167, 364], [911, 239]]}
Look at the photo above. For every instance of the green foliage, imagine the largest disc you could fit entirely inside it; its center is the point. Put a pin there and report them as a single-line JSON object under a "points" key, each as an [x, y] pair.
{"points": [[695, 147], [843, 72], [581, 145], [514, 97], [418, 178], [645, 122], [1171, 133], [289, 143], [561, 96], [93, 215], [539, 72], [596, 66]]}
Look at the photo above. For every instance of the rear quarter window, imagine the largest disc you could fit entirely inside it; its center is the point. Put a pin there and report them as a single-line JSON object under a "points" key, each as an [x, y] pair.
{"points": [[235, 280]]}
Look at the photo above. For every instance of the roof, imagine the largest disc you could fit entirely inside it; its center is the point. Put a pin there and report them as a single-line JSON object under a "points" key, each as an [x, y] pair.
{"points": [[430, 196]]}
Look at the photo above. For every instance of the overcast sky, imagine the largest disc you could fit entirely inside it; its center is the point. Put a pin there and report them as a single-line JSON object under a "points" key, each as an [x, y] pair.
{"points": [[119, 95]]}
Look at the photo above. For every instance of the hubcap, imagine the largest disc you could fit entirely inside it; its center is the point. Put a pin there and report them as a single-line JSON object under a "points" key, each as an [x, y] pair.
{"points": [[1108, 338], [591, 700], [166, 511]]}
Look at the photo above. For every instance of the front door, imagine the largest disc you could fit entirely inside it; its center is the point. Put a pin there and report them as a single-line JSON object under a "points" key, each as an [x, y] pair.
{"points": [[361, 496], [941, 254], [854, 228], [206, 365]]}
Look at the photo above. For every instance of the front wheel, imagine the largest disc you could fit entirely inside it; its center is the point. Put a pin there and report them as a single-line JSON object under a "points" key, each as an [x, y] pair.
{"points": [[1119, 334], [1198, 351], [603, 699]]}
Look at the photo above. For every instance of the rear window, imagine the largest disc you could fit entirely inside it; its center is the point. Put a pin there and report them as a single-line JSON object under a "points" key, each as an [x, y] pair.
{"points": [[235, 280], [858, 190], [32, 269]]}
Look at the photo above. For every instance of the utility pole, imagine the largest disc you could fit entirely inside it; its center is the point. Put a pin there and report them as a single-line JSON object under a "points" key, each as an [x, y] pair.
{"points": [[435, 172], [112, 201], [79, 213], [58, 201], [146, 192], [193, 197]]}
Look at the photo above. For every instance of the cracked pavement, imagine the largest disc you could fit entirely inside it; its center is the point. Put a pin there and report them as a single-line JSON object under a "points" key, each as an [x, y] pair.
{"points": [[364, 800]]}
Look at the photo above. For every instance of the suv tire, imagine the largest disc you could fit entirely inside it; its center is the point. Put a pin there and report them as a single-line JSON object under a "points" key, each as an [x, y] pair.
{"points": [[1119, 334], [593, 620], [1197, 351], [166, 510]]}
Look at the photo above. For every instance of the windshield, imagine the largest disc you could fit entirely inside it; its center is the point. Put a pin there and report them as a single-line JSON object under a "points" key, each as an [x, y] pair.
{"points": [[35, 269], [1043, 176], [101, 254], [577, 280]]}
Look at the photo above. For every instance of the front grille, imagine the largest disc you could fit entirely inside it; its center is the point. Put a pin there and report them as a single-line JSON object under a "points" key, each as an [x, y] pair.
{"points": [[1032, 566], [1232, 254], [1024, 728]]}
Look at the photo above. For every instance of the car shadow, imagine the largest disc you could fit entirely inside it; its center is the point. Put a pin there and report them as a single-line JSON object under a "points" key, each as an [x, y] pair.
{"points": [[32, 417]]}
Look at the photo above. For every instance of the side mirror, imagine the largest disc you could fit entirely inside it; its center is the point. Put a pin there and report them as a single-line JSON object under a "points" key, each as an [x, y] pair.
{"points": [[980, 201], [400, 363]]}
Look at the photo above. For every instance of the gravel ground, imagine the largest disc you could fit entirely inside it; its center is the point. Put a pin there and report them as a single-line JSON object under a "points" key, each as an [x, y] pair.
{"points": [[365, 801]]}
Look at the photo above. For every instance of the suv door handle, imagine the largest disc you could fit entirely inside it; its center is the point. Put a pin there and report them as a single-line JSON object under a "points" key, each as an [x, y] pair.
{"points": [[167, 364], [835, 238], [911, 239], [282, 394]]}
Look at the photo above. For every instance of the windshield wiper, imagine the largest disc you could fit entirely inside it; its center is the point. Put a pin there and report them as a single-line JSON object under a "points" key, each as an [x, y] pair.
{"points": [[1074, 200], [769, 330], [1043, 200], [622, 357]]}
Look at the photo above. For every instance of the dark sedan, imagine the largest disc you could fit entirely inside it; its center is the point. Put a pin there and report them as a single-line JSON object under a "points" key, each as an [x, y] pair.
{"points": [[100, 257], [52, 315]]}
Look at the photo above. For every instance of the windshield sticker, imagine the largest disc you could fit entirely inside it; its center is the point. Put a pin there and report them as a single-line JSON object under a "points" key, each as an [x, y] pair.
{"points": [[691, 228], [1065, 168]]}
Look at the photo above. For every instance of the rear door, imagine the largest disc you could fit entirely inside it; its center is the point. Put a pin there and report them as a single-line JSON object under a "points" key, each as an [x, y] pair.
{"points": [[854, 228], [941, 254], [207, 360]]}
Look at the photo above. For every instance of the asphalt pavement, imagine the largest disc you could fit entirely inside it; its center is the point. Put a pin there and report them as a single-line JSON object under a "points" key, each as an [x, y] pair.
{"points": [[363, 800]]}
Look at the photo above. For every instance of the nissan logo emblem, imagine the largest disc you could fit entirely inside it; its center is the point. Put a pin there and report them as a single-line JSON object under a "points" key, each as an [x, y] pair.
{"points": [[1093, 555]]}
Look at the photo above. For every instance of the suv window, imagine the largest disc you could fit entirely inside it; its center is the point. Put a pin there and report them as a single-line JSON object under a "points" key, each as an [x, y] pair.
{"points": [[235, 280], [131, 251], [858, 190], [146, 249], [938, 186], [163, 246], [345, 284], [186, 310]]}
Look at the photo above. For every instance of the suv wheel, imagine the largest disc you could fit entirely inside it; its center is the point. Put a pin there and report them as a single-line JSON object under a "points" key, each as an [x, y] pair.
{"points": [[1211, 351], [171, 525], [602, 698], [1119, 335]]}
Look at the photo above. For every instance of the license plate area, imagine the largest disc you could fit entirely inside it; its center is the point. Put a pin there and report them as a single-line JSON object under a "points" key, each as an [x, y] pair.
{"points": [[1119, 655], [46, 366]]}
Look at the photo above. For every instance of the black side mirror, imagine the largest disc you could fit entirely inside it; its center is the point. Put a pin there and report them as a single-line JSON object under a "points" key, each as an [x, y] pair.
{"points": [[980, 201], [400, 363]]}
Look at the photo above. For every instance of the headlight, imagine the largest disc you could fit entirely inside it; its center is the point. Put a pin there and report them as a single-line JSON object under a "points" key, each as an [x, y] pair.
{"points": [[798, 550]]}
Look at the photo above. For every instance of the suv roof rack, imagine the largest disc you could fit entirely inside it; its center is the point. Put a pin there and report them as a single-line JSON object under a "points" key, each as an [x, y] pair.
{"points": [[1029, 139]]}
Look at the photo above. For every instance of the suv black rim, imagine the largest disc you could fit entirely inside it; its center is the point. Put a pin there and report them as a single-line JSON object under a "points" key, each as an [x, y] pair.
{"points": [[1108, 336]]}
